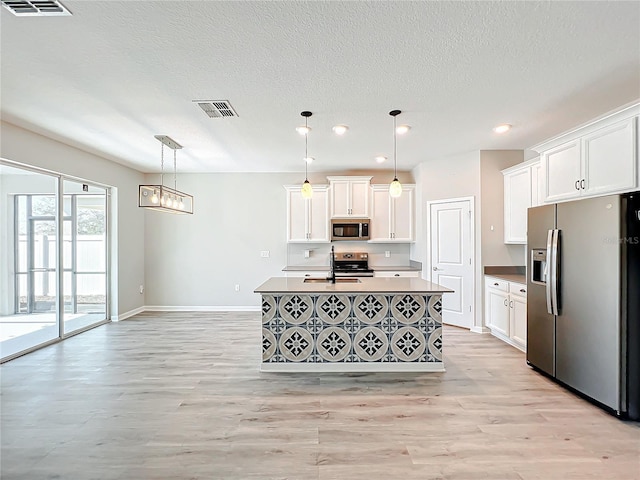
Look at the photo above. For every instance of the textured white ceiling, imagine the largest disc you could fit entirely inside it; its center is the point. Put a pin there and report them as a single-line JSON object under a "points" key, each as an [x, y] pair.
{"points": [[113, 75]]}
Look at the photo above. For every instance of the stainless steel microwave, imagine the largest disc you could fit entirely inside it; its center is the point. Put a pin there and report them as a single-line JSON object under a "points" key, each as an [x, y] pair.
{"points": [[349, 229]]}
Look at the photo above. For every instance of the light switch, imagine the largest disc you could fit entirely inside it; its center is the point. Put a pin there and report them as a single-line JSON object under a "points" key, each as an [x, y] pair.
{"points": [[387, 253]]}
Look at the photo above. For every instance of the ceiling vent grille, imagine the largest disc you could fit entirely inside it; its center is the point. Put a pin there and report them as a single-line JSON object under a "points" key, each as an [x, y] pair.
{"points": [[36, 8], [216, 108]]}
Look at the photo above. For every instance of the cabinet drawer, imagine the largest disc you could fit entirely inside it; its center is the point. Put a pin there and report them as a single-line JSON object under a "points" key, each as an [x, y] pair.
{"points": [[495, 283], [518, 289]]}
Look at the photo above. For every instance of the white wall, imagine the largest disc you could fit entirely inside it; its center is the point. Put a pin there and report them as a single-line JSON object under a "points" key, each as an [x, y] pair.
{"points": [[20, 145], [197, 260], [440, 179]]}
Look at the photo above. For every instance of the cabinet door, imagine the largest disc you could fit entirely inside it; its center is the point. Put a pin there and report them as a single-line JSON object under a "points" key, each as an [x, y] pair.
{"points": [[340, 193], [297, 208], [497, 311], [518, 319], [379, 229], [537, 185], [562, 171], [610, 158], [319, 216], [517, 199], [402, 216], [359, 204]]}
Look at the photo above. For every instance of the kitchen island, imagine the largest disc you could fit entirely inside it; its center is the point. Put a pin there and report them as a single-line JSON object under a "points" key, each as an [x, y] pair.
{"points": [[355, 325]]}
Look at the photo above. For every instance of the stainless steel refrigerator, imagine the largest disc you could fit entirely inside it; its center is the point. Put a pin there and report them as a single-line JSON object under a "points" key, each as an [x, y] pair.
{"points": [[583, 300]]}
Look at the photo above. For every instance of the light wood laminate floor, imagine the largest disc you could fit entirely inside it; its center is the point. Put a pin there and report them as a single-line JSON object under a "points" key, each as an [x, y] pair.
{"points": [[180, 396]]}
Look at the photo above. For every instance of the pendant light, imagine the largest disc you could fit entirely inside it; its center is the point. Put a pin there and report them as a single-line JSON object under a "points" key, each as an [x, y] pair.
{"points": [[395, 188], [306, 191], [161, 197]]}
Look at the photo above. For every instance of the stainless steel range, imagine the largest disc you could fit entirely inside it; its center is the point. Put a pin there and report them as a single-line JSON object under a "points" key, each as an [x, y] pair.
{"points": [[352, 264]]}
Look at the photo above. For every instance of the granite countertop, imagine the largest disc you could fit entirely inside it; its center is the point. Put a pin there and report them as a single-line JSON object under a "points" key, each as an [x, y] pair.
{"points": [[510, 277], [403, 268], [366, 285], [325, 268]]}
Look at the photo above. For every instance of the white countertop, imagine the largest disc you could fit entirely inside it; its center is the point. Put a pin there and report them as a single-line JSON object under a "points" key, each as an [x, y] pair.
{"points": [[366, 285]]}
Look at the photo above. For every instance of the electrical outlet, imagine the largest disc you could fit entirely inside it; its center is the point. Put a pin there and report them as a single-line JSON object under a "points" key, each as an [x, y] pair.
{"points": [[237, 288], [264, 253], [307, 253], [141, 289], [387, 253]]}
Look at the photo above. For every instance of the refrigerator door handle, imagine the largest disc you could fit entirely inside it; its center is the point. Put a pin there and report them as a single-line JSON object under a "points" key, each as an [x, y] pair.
{"points": [[550, 272], [554, 277]]}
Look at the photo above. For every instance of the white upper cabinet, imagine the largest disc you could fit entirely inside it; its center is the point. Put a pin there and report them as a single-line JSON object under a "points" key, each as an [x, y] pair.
{"points": [[392, 219], [563, 171], [610, 158], [349, 196], [307, 219], [598, 159], [537, 183], [521, 186]]}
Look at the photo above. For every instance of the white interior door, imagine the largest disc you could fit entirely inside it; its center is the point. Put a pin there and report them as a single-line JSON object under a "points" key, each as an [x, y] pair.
{"points": [[452, 258]]}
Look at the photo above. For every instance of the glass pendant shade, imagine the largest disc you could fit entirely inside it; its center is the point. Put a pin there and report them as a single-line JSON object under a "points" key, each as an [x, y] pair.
{"points": [[306, 191], [395, 188]]}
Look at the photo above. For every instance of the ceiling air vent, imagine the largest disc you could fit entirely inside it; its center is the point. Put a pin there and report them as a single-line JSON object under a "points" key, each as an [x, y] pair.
{"points": [[216, 108], [35, 8]]}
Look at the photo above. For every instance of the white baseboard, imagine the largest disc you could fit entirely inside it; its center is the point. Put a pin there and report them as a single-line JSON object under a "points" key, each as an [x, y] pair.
{"points": [[201, 308], [125, 315], [480, 330]]}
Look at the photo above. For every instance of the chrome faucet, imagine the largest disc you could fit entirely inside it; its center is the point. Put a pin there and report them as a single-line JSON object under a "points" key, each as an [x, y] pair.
{"points": [[332, 265]]}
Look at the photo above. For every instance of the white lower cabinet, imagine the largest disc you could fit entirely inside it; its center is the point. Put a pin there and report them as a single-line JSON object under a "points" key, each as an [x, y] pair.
{"points": [[399, 273], [506, 311]]}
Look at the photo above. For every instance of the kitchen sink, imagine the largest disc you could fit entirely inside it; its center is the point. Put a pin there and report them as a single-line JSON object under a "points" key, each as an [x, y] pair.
{"points": [[338, 280]]}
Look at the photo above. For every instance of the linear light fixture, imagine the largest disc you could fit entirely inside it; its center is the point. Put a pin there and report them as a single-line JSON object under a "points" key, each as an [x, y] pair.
{"points": [[163, 198]]}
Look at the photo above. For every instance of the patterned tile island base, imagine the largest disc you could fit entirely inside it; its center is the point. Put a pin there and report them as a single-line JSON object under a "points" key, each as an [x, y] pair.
{"points": [[351, 332]]}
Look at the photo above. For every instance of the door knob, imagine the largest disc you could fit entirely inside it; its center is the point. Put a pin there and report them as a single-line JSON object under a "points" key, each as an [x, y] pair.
{"points": [[435, 269]]}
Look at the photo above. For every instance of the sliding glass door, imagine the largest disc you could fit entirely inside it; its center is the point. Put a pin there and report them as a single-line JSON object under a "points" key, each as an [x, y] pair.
{"points": [[85, 256], [28, 260], [48, 290]]}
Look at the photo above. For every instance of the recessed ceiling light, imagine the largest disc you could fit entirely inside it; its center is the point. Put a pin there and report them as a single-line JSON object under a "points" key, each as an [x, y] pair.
{"points": [[402, 129], [381, 159], [505, 127], [303, 129], [308, 159], [340, 129]]}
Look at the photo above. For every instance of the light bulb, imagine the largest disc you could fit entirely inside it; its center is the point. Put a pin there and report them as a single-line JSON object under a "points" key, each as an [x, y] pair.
{"points": [[154, 197], [340, 129], [402, 129], [395, 188], [303, 129], [308, 159], [306, 191], [163, 200], [505, 127], [381, 159], [181, 205]]}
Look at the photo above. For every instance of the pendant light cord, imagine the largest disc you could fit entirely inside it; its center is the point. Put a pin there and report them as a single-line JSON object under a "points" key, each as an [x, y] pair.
{"points": [[306, 144], [395, 150], [161, 164]]}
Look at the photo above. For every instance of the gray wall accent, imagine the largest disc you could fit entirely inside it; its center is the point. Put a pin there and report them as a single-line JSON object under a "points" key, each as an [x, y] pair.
{"points": [[494, 250], [127, 222]]}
